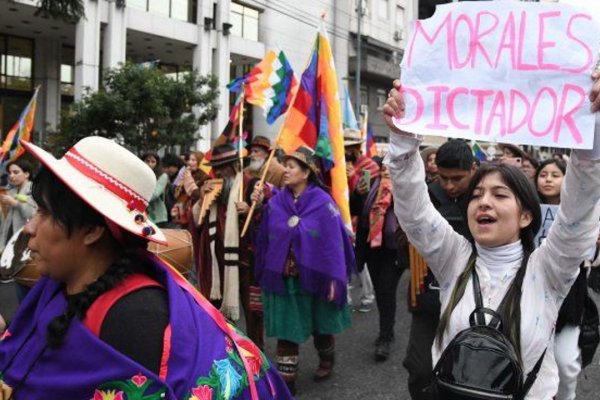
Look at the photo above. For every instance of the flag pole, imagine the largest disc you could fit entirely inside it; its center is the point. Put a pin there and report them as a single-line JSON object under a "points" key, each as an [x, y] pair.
{"points": [[275, 145], [268, 163], [241, 143]]}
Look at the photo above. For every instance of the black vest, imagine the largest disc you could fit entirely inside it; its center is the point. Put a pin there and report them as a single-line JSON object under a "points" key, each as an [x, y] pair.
{"points": [[453, 210]]}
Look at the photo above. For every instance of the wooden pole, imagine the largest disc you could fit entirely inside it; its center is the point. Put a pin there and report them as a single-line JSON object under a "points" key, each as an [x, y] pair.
{"points": [[275, 145], [260, 186], [267, 164], [241, 143]]}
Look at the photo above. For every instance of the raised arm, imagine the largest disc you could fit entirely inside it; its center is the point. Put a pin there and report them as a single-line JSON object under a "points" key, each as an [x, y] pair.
{"points": [[426, 229], [575, 229]]}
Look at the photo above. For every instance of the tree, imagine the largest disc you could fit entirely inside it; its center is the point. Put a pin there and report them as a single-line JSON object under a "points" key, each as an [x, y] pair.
{"points": [[142, 108]]}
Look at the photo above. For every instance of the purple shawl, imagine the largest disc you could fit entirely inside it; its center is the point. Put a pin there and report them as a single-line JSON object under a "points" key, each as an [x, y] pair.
{"points": [[203, 358], [321, 245]]}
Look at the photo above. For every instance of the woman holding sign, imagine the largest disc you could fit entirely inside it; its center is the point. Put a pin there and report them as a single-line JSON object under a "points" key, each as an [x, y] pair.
{"points": [[498, 272]]}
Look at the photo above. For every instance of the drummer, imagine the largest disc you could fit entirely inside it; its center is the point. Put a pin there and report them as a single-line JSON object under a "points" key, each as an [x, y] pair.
{"points": [[109, 319], [19, 206]]}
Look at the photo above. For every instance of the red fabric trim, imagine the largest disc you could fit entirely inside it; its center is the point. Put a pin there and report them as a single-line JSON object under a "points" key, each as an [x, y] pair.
{"points": [[131, 197], [164, 360], [97, 312]]}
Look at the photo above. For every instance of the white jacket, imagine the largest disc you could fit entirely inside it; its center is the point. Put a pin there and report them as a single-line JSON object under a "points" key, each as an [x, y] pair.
{"points": [[551, 269]]}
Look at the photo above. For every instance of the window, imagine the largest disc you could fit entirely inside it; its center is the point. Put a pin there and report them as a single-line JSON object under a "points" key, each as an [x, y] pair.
{"points": [[382, 11], [184, 10], [381, 99], [175, 71], [399, 18], [244, 20], [180, 9], [11, 106], [16, 63], [160, 7], [139, 4], [364, 98], [67, 71]]}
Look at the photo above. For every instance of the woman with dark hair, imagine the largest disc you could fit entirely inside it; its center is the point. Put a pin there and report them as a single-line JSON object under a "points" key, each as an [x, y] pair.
{"points": [[18, 201], [303, 259], [157, 209], [109, 320], [20, 207], [428, 155], [503, 215], [549, 179], [193, 178]]}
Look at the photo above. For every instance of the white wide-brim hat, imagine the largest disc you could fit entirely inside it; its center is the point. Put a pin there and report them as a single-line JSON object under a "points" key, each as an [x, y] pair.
{"points": [[111, 179]]}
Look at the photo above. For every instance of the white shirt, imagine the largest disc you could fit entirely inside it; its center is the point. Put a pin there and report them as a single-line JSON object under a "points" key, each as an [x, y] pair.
{"points": [[551, 269]]}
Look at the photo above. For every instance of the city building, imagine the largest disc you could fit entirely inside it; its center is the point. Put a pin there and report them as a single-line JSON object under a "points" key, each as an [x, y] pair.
{"points": [[225, 38]]}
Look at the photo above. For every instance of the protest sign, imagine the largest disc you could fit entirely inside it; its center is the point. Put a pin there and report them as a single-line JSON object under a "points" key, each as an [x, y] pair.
{"points": [[549, 212], [512, 72]]}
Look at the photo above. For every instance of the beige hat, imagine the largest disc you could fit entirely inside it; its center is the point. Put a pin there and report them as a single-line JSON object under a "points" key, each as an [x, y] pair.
{"points": [[109, 178], [306, 156], [352, 137]]}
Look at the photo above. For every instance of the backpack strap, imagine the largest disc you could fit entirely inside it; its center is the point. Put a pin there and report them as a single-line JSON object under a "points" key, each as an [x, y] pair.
{"points": [[101, 306], [532, 375], [478, 298]]}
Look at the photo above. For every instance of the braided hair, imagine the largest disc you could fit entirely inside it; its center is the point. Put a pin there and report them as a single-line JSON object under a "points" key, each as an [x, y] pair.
{"points": [[71, 213]]}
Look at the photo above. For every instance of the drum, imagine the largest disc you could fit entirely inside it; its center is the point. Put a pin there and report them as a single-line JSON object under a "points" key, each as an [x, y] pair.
{"points": [[29, 275], [178, 252], [16, 262]]}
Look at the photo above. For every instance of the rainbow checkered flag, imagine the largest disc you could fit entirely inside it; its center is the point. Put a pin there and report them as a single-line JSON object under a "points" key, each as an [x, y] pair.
{"points": [[11, 148], [315, 120], [270, 85]]}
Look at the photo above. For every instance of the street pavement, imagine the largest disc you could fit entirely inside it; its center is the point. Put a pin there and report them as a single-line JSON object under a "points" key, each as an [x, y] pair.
{"points": [[358, 376]]}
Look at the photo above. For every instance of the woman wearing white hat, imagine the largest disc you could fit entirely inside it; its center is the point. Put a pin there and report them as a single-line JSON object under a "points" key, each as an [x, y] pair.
{"points": [[109, 319]]}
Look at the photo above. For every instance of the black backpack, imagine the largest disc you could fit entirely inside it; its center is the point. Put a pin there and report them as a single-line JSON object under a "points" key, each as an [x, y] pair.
{"points": [[481, 362]]}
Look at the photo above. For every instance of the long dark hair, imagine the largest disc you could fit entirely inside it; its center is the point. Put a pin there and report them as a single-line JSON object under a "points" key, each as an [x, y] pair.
{"points": [[560, 164], [158, 167], [527, 199], [72, 213]]}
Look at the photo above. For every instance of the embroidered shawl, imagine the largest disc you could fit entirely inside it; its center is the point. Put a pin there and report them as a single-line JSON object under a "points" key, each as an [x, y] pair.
{"points": [[207, 359]]}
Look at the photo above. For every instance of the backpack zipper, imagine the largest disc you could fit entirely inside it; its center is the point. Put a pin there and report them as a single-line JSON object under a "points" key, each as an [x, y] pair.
{"points": [[473, 392]]}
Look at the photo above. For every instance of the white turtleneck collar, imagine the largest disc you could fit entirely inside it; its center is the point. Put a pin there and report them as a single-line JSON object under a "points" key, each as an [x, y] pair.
{"points": [[498, 260]]}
